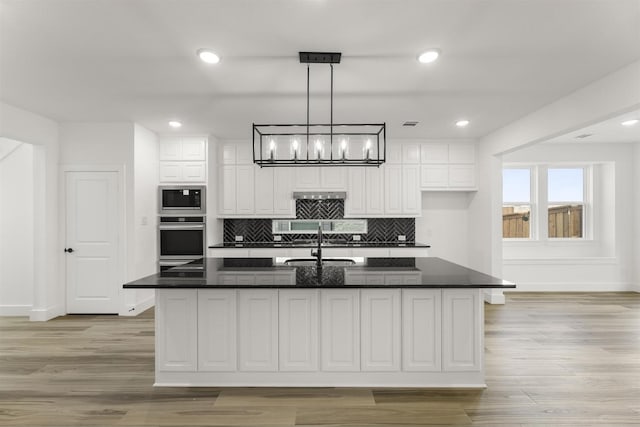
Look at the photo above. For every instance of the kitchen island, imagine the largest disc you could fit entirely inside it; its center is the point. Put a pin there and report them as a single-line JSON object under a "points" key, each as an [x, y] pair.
{"points": [[411, 322]]}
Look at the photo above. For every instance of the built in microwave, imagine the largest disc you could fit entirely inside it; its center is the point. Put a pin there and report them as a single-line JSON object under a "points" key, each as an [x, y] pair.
{"points": [[182, 200]]}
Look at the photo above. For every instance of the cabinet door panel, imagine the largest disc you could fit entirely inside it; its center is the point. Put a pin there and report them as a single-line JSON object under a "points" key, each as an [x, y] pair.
{"points": [[170, 149], [193, 148], [421, 329], [264, 189], [411, 196], [228, 155], [380, 330], [307, 178], [394, 153], [355, 204], [283, 203], [194, 172], [333, 178], [244, 154], [374, 181], [245, 190], [462, 318], [462, 176], [340, 330], [258, 329], [410, 154], [176, 342], [170, 172], [434, 153], [228, 190], [393, 190], [434, 176], [216, 330], [298, 337]]}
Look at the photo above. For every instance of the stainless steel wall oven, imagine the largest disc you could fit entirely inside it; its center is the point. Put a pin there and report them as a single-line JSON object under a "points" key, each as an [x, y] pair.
{"points": [[181, 239]]}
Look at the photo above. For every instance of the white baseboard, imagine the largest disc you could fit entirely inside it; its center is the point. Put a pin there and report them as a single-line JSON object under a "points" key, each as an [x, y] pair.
{"points": [[15, 310], [44, 314], [139, 307], [573, 287]]}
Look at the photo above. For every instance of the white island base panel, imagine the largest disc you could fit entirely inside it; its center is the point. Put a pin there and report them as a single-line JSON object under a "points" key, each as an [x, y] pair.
{"points": [[363, 337]]}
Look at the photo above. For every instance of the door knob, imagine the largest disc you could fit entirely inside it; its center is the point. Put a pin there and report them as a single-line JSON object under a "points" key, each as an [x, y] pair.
{"points": [[69, 250]]}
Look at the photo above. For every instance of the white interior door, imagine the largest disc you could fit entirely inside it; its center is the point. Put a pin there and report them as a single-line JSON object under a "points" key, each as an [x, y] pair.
{"points": [[92, 263]]}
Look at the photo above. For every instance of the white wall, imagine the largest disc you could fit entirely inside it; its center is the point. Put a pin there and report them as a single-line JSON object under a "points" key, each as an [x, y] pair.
{"points": [[16, 230], [602, 263], [42, 133], [117, 144], [146, 178], [444, 225], [636, 192], [608, 97]]}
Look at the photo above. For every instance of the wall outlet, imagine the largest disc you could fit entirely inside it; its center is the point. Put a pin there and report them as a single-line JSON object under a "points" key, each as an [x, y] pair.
{"points": [[356, 237], [402, 237], [239, 238], [277, 238]]}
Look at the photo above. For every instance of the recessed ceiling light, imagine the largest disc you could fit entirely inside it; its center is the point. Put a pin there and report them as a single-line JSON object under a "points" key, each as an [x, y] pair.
{"points": [[630, 122], [175, 124], [208, 56], [462, 123], [428, 56]]}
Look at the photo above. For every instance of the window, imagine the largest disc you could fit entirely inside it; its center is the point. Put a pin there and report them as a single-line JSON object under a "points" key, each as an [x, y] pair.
{"points": [[565, 193], [516, 203], [545, 201]]}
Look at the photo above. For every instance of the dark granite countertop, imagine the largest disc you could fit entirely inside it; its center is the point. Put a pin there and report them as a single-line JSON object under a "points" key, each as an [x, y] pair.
{"points": [[425, 273], [312, 244]]}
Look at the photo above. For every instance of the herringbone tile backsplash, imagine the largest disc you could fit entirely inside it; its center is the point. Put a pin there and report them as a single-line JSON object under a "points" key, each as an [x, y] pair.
{"points": [[379, 229]]}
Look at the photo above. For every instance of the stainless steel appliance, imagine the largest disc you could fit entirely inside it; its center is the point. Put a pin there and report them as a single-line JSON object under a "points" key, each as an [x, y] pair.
{"points": [[182, 200], [181, 239]]}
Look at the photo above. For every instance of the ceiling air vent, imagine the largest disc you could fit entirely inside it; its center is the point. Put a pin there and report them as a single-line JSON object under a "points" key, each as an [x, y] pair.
{"points": [[410, 124], [584, 135]]}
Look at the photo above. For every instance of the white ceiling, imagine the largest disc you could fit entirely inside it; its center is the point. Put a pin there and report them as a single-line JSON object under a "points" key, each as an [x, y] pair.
{"points": [[607, 131], [135, 60]]}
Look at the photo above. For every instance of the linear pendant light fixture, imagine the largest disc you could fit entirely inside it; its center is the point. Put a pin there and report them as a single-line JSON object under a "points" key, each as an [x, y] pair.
{"points": [[313, 144]]}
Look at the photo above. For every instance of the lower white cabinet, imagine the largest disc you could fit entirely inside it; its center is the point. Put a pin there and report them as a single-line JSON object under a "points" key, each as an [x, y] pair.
{"points": [[462, 321], [217, 330], [258, 329], [298, 330], [380, 329], [421, 330], [176, 329], [371, 336], [340, 329]]}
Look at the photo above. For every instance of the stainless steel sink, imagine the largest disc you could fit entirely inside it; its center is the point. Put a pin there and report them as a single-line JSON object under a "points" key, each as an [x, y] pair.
{"points": [[310, 262]]}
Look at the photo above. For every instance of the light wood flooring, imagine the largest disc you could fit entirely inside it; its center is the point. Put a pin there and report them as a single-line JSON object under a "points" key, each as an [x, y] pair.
{"points": [[551, 360]]}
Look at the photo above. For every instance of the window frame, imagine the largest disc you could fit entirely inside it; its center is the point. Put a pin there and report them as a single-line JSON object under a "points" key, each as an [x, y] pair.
{"points": [[533, 215], [539, 219]]}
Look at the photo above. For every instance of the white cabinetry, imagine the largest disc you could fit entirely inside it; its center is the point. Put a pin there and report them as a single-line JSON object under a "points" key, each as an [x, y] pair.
{"points": [[421, 330], [447, 166], [402, 190], [355, 204], [177, 341], [216, 330], [380, 329], [462, 340], [183, 159], [374, 191], [340, 330], [298, 335], [258, 329]]}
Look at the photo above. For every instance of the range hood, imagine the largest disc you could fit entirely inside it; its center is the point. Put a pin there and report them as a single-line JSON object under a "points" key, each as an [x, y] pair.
{"points": [[320, 195]]}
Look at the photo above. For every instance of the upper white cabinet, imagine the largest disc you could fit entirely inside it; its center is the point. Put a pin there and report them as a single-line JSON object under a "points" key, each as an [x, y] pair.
{"points": [[447, 166], [355, 204], [183, 159]]}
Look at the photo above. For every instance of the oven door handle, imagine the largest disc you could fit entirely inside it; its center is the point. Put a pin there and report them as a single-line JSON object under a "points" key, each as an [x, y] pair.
{"points": [[182, 227]]}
